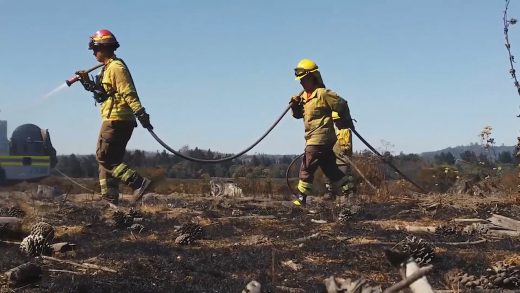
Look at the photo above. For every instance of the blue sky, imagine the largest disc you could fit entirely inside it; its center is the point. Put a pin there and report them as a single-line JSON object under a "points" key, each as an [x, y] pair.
{"points": [[421, 75]]}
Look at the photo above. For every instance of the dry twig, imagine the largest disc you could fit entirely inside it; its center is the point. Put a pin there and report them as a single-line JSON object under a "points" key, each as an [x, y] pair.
{"points": [[65, 271], [480, 241], [10, 242], [81, 265]]}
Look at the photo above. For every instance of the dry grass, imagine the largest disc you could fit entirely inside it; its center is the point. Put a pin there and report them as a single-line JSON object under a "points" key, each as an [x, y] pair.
{"points": [[234, 251]]}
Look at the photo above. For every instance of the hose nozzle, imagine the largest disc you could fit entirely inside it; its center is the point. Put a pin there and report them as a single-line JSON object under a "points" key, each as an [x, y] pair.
{"points": [[75, 78], [72, 80]]}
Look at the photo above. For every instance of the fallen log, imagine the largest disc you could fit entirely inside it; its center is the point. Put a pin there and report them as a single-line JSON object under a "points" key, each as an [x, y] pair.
{"points": [[23, 274], [491, 230], [11, 223], [502, 233], [9, 220], [505, 222]]}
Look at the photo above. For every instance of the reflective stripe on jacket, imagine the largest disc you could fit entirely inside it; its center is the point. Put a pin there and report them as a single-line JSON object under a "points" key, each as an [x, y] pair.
{"points": [[124, 101]]}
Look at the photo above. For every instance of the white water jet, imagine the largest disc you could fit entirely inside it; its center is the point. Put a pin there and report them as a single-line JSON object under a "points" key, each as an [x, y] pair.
{"points": [[54, 91]]}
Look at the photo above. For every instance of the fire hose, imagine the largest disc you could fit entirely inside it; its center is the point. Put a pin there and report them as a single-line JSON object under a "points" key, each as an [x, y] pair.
{"points": [[76, 78], [385, 160], [388, 162], [214, 161]]}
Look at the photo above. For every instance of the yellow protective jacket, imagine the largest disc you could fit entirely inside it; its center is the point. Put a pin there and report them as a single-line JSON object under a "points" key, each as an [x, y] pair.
{"points": [[123, 100], [316, 111]]}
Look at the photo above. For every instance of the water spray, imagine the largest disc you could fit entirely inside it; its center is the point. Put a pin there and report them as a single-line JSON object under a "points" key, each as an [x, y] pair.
{"points": [[76, 77]]}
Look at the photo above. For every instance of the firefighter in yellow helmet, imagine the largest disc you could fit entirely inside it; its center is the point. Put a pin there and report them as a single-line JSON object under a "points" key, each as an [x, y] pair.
{"points": [[343, 151], [315, 105], [114, 89]]}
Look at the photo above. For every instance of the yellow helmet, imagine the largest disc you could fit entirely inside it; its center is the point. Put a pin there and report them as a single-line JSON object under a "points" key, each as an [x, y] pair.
{"points": [[304, 67]]}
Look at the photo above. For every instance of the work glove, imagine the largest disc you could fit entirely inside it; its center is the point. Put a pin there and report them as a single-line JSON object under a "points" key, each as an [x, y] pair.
{"points": [[144, 118], [295, 100], [85, 80], [344, 124], [296, 107]]}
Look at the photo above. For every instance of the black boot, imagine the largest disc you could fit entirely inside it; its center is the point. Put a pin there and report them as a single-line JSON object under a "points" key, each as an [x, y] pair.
{"points": [[141, 189]]}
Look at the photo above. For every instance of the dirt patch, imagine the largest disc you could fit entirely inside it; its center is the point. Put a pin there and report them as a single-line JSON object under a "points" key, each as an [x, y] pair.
{"points": [[243, 239]]}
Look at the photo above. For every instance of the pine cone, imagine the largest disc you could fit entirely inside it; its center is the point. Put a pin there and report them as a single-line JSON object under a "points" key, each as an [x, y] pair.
{"points": [[195, 231], [12, 212], [184, 239], [43, 229], [345, 215], [348, 212], [449, 233], [122, 220], [420, 250], [189, 233], [35, 245], [133, 213]]}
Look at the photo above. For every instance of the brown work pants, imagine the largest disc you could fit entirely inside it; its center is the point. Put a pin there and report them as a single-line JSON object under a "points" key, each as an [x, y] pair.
{"points": [[111, 147], [319, 156], [342, 156]]}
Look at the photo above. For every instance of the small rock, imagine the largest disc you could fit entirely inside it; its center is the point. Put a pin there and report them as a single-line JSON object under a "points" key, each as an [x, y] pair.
{"points": [[292, 265], [253, 287]]}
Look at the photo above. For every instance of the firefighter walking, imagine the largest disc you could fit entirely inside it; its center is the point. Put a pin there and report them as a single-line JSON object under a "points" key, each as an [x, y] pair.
{"points": [[114, 89], [315, 105], [343, 151]]}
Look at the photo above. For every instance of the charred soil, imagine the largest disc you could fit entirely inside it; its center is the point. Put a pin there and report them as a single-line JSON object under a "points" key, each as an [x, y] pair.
{"points": [[236, 240]]}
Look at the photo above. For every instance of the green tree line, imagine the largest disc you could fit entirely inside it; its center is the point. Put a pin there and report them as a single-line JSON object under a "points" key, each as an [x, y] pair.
{"points": [[258, 165], [252, 166]]}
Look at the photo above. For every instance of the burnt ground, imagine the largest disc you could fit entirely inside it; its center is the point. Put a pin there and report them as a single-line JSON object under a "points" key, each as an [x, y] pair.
{"points": [[244, 239]]}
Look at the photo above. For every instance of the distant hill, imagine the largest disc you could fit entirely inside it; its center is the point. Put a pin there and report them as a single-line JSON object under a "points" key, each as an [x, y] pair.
{"points": [[474, 147]]}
